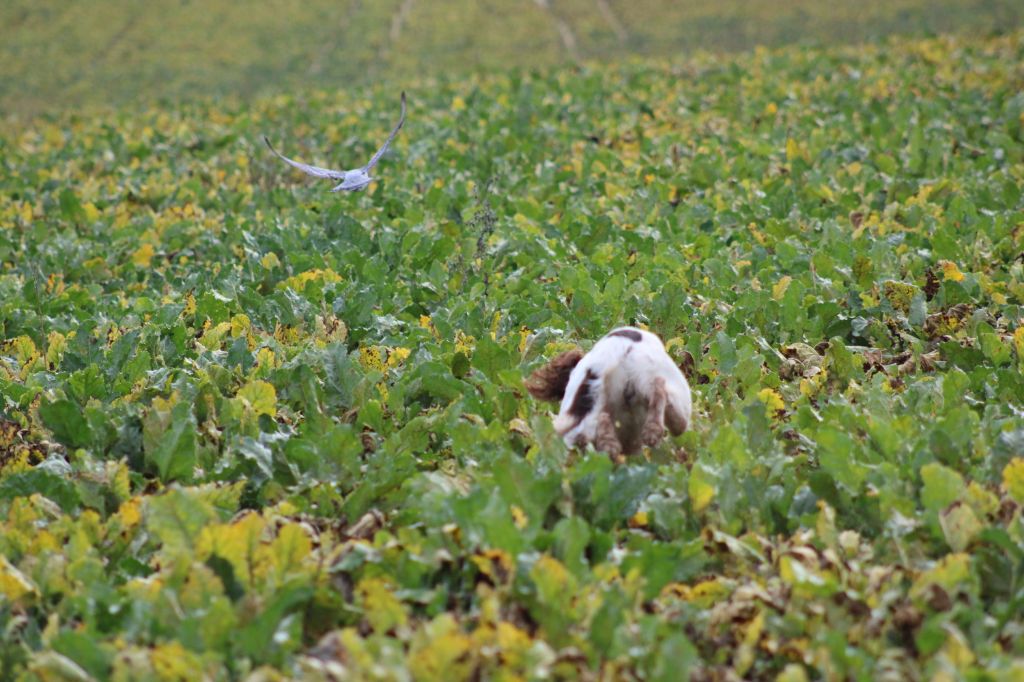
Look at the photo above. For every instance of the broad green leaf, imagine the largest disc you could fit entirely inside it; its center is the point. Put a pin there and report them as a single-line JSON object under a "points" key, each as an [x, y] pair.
{"points": [[45, 483], [177, 518], [942, 486], [169, 439], [67, 422]]}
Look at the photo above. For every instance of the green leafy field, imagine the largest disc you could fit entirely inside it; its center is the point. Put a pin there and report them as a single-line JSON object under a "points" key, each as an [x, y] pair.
{"points": [[56, 54], [253, 427]]}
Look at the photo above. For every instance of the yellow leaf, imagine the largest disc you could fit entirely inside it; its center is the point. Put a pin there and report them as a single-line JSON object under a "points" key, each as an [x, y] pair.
{"points": [[397, 356], [382, 608], [441, 652], [794, 150], [290, 549], [826, 525], [200, 588], [982, 501], [13, 583], [212, 337], [24, 349], [794, 572], [957, 649], [959, 525], [555, 584], [746, 653], [704, 594], [496, 564], [900, 294], [519, 517], [298, 282], [190, 304], [779, 290], [238, 543], [239, 325], [638, 520], [173, 662], [143, 255], [793, 672], [145, 589], [950, 271], [464, 343], [701, 488], [92, 213], [613, 191], [523, 223], [514, 643], [56, 344], [260, 397], [270, 261], [224, 497], [773, 402], [130, 513], [1013, 479], [265, 358], [370, 358], [950, 572]]}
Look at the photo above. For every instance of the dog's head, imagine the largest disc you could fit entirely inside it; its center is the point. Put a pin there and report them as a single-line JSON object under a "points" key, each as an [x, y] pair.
{"points": [[549, 382]]}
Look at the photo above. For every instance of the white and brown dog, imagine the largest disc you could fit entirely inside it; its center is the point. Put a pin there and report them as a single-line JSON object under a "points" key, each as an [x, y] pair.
{"points": [[619, 396]]}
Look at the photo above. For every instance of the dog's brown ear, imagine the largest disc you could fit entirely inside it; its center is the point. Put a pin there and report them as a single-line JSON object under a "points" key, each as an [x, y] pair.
{"points": [[549, 382]]}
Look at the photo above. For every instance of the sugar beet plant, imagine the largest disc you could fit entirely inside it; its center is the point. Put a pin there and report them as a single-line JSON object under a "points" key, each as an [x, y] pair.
{"points": [[253, 428]]}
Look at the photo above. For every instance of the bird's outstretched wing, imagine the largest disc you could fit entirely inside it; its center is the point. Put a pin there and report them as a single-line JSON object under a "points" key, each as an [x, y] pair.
{"points": [[387, 143], [315, 171]]}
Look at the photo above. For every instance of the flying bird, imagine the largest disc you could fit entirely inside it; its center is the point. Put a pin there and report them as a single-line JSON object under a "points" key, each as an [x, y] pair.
{"points": [[351, 180]]}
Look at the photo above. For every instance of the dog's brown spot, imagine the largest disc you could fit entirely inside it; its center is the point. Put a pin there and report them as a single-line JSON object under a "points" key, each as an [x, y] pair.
{"points": [[631, 334], [583, 402], [549, 382]]}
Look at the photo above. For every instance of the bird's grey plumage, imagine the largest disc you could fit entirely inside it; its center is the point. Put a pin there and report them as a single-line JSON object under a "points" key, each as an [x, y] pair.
{"points": [[351, 180]]}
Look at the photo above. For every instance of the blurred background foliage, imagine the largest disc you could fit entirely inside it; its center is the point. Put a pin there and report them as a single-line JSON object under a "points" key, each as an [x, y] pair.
{"points": [[55, 55]]}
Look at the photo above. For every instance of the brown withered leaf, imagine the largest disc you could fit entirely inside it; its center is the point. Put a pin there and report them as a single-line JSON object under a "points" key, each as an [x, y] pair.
{"points": [[687, 365], [907, 617], [329, 648], [938, 598], [946, 321], [367, 526], [931, 284], [873, 361]]}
